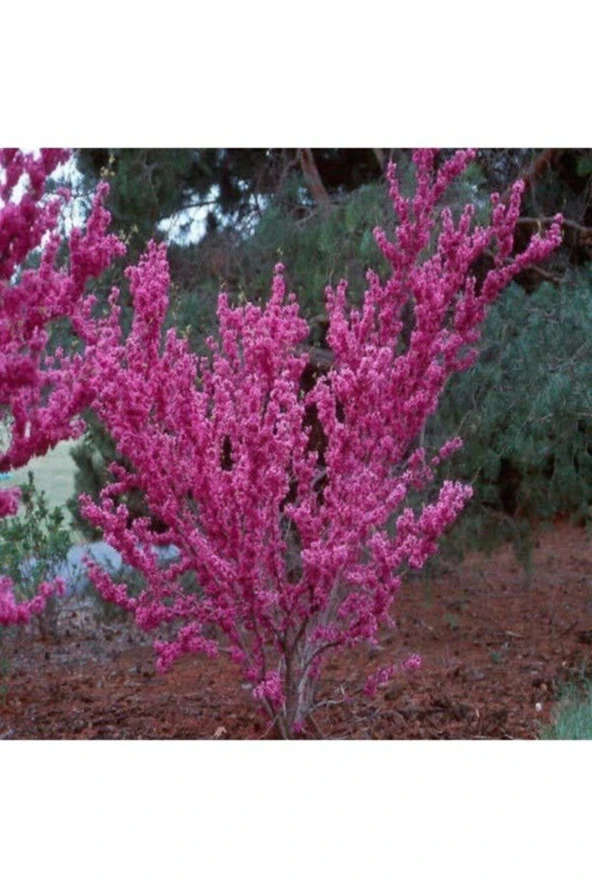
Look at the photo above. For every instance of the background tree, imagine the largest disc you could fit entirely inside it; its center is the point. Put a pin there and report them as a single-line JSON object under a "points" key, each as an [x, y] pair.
{"points": [[230, 185]]}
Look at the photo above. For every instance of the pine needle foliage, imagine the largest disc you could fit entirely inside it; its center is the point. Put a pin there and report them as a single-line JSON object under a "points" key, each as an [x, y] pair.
{"points": [[525, 413]]}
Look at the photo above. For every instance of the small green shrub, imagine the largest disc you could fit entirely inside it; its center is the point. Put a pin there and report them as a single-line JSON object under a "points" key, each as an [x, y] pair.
{"points": [[33, 544]]}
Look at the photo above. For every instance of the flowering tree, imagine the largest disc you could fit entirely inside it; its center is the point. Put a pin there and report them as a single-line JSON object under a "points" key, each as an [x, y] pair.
{"points": [[41, 394], [289, 551]]}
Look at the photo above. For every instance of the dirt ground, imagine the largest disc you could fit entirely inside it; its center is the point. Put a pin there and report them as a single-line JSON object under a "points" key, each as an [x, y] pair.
{"points": [[497, 647]]}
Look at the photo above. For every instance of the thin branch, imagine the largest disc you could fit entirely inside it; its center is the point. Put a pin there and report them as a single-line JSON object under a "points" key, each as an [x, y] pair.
{"points": [[545, 220], [545, 275], [380, 158]]}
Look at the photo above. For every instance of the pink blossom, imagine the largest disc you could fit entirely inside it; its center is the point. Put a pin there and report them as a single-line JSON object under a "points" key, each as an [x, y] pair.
{"points": [[270, 689], [383, 675], [412, 663], [13, 611], [380, 677]]}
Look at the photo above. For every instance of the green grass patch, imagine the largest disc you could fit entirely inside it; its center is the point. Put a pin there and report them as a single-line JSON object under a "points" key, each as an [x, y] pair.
{"points": [[573, 716]]}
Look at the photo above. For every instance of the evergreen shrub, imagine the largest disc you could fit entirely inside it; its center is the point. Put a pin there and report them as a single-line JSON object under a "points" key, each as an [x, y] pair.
{"points": [[524, 411]]}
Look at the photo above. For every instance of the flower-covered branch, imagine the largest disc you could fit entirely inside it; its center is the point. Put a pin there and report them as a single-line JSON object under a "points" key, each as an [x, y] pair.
{"points": [[41, 394]]}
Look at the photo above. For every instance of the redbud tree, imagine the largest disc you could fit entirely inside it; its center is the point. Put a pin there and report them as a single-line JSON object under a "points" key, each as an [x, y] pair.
{"points": [[289, 551], [41, 394]]}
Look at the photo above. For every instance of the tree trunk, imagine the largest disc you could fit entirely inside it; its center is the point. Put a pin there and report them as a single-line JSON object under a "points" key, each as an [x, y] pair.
{"points": [[313, 179]]}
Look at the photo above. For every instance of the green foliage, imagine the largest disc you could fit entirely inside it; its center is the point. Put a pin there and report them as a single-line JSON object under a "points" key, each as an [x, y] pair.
{"points": [[524, 412], [193, 314], [584, 165]]}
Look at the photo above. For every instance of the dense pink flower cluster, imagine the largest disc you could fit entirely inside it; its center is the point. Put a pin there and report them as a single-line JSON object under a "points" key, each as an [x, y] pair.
{"points": [[41, 394], [287, 552]]}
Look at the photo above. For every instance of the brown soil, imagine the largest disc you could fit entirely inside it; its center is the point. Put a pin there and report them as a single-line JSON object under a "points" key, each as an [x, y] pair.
{"points": [[497, 647]]}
